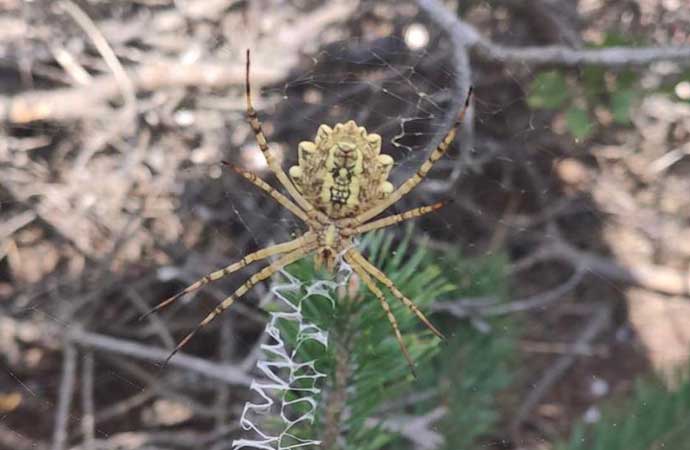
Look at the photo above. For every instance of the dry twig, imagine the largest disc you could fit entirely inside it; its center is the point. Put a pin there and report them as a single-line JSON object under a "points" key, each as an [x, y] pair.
{"points": [[417, 429], [101, 44], [89, 101], [612, 57], [560, 367], [48, 334], [88, 422], [62, 412]]}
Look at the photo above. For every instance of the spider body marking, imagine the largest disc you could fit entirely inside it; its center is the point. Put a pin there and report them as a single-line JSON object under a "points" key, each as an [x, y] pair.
{"points": [[329, 239], [338, 186], [342, 172]]}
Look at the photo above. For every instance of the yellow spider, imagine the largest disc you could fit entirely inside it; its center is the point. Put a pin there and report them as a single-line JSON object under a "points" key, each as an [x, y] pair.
{"points": [[339, 185]]}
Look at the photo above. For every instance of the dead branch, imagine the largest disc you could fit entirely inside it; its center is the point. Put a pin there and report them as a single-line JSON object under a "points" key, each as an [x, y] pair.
{"points": [[649, 276], [75, 103], [652, 277], [10, 438], [490, 307], [612, 57], [49, 335], [9, 226], [417, 429], [125, 406], [561, 366], [88, 422], [62, 412], [99, 41], [160, 440], [89, 101], [161, 387], [222, 372], [227, 348]]}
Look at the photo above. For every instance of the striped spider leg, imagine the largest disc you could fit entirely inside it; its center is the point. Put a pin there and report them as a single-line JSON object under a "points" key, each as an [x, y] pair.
{"points": [[338, 186], [271, 160], [421, 173], [292, 250], [259, 276]]}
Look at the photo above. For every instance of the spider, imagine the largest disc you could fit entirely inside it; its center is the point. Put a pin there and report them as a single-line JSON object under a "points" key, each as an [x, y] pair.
{"points": [[339, 185]]}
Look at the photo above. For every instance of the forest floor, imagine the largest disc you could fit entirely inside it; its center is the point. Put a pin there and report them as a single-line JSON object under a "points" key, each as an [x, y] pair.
{"points": [[116, 116]]}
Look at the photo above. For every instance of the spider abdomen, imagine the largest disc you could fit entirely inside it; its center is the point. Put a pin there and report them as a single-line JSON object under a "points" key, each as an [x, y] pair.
{"points": [[343, 171]]}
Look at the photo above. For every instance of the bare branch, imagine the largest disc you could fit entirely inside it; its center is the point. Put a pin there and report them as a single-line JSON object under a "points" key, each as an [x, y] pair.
{"points": [[81, 102], [88, 422], [613, 57], [10, 438], [649, 276], [417, 429], [223, 372], [62, 412], [99, 41], [561, 366], [49, 335], [490, 307]]}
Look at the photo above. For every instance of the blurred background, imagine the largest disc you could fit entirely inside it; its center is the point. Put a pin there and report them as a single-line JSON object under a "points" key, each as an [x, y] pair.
{"points": [[568, 230]]}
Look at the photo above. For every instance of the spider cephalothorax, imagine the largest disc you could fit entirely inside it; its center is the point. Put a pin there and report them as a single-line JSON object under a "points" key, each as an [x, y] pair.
{"points": [[339, 185]]}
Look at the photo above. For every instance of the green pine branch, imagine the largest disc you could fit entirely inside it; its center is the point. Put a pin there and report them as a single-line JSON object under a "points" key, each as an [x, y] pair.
{"points": [[364, 365], [658, 417]]}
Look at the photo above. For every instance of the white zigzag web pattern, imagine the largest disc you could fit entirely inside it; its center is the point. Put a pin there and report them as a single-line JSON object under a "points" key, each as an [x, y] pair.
{"points": [[284, 374]]}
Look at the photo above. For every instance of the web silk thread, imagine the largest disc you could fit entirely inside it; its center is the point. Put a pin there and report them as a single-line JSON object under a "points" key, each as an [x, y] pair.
{"points": [[284, 374]]}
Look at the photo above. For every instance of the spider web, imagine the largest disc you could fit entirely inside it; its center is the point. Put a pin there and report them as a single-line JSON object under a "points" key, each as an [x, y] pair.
{"points": [[391, 91], [284, 371], [385, 87], [407, 96], [103, 214], [159, 214]]}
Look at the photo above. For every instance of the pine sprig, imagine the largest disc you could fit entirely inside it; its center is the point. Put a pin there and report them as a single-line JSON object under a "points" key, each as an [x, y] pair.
{"points": [[366, 369], [657, 418]]}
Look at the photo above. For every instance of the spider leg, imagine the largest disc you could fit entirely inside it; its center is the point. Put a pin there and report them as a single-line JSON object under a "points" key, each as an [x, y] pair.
{"points": [[415, 179], [380, 276], [285, 247], [392, 220], [267, 188], [263, 274], [272, 162], [364, 275]]}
